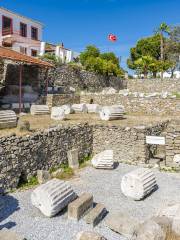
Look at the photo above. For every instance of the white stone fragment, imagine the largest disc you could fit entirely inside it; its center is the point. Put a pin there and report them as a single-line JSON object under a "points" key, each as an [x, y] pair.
{"points": [[67, 109], [114, 112], [103, 160], [176, 159], [138, 183], [79, 107], [8, 119], [39, 109], [93, 108], [57, 113], [108, 90], [52, 197]]}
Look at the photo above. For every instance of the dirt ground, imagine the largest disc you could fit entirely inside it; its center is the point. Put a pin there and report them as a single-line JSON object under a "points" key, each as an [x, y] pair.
{"points": [[43, 122]]}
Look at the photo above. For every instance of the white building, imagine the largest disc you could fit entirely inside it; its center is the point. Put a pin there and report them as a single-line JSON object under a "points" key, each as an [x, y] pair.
{"points": [[20, 33], [24, 35], [66, 55]]}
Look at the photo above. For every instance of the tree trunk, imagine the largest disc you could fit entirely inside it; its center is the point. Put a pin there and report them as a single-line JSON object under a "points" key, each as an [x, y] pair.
{"points": [[154, 74], [162, 51]]}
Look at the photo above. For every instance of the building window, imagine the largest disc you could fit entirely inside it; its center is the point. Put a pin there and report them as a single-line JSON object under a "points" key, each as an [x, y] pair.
{"points": [[34, 53], [23, 29], [7, 26], [23, 50], [34, 33]]}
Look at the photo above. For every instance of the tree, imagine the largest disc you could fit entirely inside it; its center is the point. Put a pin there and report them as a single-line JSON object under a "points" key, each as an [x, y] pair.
{"points": [[149, 46], [143, 64], [101, 63], [90, 51], [110, 56], [163, 28], [173, 48]]}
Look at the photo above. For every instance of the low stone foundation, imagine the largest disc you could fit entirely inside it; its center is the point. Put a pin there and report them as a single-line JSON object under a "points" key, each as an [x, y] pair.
{"points": [[23, 156], [147, 106]]}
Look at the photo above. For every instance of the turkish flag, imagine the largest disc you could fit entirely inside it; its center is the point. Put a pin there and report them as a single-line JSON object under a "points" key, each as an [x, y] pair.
{"points": [[112, 37]]}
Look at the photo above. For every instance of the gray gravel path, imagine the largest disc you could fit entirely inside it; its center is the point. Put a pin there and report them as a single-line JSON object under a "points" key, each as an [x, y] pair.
{"points": [[22, 217]]}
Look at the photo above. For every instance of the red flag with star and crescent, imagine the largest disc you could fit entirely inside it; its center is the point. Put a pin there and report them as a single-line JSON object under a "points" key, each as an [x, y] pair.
{"points": [[112, 38]]}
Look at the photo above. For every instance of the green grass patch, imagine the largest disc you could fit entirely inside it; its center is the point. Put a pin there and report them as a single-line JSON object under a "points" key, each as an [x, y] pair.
{"points": [[177, 94], [170, 169], [31, 182], [84, 161], [66, 173]]}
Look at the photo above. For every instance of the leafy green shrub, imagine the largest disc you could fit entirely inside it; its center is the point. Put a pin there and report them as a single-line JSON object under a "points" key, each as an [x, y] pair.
{"points": [[101, 63]]}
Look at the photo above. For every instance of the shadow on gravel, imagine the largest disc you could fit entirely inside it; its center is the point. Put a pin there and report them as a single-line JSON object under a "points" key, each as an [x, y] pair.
{"points": [[8, 205]]}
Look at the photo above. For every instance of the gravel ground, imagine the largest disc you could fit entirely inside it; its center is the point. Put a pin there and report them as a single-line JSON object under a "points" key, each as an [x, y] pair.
{"points": [[22, 217]]}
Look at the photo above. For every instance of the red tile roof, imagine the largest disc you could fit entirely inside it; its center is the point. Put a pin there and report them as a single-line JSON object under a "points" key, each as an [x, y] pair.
{"points": [[6, 53]]}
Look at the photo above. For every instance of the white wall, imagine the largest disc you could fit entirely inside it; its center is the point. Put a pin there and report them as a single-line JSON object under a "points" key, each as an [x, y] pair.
{"points": [[28, 42]]}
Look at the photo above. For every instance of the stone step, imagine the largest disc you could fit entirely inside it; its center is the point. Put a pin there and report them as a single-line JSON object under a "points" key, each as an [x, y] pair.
{"points": [[78, 208], [96, 215]]}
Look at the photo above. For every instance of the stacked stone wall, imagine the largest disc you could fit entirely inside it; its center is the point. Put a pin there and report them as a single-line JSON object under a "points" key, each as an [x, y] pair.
{"points": [[147, 106], [41, 150], [153, 85]]}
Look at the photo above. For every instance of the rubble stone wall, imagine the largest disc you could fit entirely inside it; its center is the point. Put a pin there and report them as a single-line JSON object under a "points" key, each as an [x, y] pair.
{"points": [[128, 143], [147, 106], [172, 142], [153, 85], [24, 155], [70, 76], [42, 150]]}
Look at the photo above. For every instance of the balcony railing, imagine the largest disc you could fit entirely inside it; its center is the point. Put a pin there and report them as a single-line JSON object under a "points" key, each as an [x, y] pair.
{"points": [[6, 31]]}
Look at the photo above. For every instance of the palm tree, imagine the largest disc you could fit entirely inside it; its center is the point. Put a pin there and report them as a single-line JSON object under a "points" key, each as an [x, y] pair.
{"points": [[163, 28]]}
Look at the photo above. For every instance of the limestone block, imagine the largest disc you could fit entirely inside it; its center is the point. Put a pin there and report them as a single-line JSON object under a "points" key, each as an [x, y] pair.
{"points": [[138, 183], [122, 224], [39, 109], [52, 197], [79, 108], [109, 113], [57, 113], [93, 108], [150, 230], [103, 160], [73, 160], [173, 214], [27, 105], [10, 235], [15, 106], [89, 236], [80, 206], [67, 109], [96, 215], [8, 119], [43, 176]]}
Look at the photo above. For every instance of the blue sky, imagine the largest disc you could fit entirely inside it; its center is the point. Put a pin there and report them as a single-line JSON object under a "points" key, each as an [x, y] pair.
{"points": [[78, 23]]}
